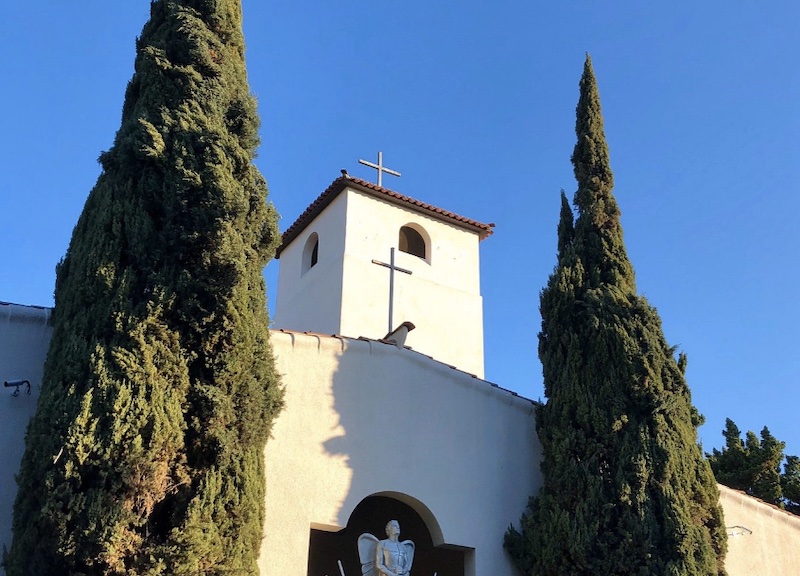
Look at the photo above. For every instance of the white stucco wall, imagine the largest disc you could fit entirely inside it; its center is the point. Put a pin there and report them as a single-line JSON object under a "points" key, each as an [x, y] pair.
{"points": [[365, 418], [24, 338], [441, 296], [312, 300], [762, 540]]}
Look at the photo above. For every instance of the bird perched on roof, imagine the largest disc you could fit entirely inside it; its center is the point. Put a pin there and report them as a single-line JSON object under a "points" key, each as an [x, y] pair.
{"points": [[398, 335]]}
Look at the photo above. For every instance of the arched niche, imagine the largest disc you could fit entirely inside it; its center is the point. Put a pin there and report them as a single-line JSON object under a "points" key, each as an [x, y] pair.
{"points": [[328, 546], [414, 240], [310, 252]]}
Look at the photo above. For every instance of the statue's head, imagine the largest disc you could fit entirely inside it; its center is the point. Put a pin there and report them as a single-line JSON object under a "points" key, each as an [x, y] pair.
{"points": [[393, 527]]}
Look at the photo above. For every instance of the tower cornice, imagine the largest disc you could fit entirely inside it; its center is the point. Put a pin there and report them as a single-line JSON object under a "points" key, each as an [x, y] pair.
{"points": [[346, 181]]}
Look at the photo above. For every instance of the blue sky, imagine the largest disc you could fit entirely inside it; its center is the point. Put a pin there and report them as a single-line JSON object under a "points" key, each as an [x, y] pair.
{"points": [[476, 108]]}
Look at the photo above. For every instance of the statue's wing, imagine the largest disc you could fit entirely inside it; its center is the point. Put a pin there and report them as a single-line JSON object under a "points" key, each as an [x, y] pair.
{"points": [[409, 546], [367, 548]]}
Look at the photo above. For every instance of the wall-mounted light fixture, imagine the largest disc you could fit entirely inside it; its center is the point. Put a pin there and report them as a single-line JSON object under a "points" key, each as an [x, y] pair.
{"points": [[16, 384], [738, 531]]}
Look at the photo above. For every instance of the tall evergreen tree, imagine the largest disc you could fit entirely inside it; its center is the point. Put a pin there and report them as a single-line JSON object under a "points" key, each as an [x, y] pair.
{"points": [[145, 455], [790, 484], [767, 455], [754, 466], [626, 489], [731, 464]]}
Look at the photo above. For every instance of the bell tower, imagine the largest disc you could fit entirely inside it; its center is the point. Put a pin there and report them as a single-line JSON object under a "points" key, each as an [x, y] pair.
{"points": [[361, 252]]}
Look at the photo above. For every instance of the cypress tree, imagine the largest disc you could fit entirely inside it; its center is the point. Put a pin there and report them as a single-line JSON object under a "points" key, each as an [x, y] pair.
{"points": [[766, 457], [731, 466], [145, 455], [626, 488], [790, 484], [754, 465]]}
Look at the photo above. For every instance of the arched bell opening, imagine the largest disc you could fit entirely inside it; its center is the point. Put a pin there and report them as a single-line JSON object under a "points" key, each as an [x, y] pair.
{"points": [[327, 547], [414, 240], [310, 253]]}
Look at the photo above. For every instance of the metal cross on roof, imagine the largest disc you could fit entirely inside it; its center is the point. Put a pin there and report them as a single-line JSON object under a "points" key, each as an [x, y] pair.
{"points": [[380, 168], [391, 266]]}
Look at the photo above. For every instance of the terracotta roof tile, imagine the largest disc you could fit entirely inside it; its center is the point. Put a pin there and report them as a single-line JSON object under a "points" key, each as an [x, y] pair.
{"points": [[347, 181]]}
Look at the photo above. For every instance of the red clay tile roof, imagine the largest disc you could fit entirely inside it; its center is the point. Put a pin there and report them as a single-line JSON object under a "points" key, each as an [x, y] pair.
{"points": [[347, 181]]}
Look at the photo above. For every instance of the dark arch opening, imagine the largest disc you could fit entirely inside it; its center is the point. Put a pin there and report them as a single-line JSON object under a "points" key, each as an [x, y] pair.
{"points": [[326, 549], [412, 242], [310, 252]]}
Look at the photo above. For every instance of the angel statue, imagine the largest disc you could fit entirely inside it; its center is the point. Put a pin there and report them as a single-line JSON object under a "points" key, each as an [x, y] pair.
{"points": [[388, 557]]}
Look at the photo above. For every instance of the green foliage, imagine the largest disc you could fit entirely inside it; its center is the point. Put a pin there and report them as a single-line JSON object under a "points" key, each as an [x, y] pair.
{"points": [[754, 466], [566, 225], [145, 455], [626, 488], [790, 484]]}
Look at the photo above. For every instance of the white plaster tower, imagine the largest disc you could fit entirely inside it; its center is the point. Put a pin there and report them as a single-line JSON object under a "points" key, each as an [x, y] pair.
{"points": [[334, 273]]}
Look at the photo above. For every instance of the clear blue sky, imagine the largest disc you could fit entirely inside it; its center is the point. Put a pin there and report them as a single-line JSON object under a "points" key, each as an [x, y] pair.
{"points": [[474, 103]]}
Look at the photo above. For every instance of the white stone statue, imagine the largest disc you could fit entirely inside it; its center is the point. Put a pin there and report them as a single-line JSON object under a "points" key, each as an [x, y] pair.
{"points": [[388, 557]]}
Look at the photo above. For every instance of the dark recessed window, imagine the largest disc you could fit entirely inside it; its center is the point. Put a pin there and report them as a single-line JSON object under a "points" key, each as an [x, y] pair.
{"points": [[412, 242], [310, 252]]}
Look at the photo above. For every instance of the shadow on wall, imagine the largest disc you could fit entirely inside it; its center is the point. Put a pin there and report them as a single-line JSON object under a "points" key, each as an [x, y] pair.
{"points": [[391, 437]]}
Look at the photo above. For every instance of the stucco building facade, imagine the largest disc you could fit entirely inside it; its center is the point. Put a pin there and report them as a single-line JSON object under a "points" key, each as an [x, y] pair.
{"points": [[382, 424]]}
